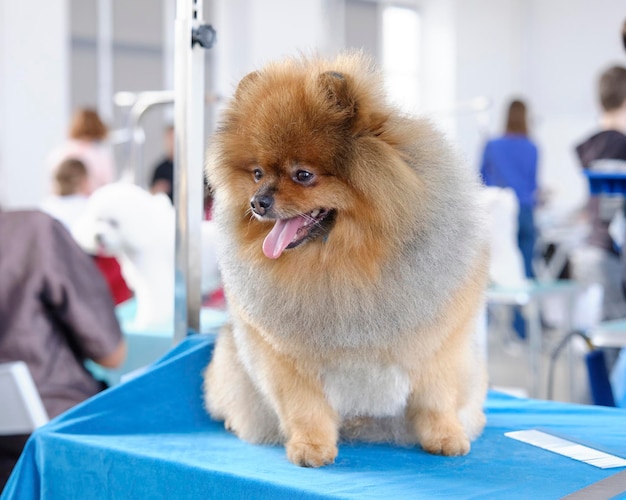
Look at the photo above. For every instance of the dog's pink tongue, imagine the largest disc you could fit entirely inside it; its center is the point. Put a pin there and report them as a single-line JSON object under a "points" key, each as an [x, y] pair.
{"points": [[281, 235]]}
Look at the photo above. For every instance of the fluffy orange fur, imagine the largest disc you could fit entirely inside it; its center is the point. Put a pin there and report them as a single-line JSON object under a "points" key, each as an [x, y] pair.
{"points": [[305, 324]]}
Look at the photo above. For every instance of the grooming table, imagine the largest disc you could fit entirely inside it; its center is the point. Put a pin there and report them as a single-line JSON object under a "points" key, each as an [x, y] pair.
{"points": [[611, 333], [151, 438]]}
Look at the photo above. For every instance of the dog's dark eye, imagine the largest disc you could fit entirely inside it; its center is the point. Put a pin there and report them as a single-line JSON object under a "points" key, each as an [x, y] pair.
{"points": [[258, 174], [303, 176]]}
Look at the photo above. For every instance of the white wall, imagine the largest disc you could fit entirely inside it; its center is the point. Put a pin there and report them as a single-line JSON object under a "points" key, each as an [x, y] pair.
{"points": [[139, 39], [253, 32], [439, 58], [488, 62], [567, 54], [33, 95]]}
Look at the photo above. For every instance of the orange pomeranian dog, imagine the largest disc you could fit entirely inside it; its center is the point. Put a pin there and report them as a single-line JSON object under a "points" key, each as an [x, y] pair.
{"points": [[354, 262]]}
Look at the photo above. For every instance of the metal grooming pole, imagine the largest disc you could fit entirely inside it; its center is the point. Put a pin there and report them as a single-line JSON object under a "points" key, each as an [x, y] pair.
{"points": [[192, 36]]}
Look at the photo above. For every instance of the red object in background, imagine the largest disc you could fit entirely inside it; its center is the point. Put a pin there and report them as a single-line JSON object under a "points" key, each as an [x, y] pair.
{"points": [[216, 300], [110, 269]]}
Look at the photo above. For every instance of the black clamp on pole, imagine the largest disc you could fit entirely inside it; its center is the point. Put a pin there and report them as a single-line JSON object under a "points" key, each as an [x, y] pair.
{"points": [[203, 35]]}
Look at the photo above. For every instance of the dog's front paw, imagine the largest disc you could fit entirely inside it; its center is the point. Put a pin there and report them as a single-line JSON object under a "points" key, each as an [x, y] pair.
{"points": [[311, 454], [446, 444], [441, 433]]}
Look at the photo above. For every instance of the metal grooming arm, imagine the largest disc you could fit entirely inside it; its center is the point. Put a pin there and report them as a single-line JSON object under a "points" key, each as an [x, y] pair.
{"points": [[139, 103]]}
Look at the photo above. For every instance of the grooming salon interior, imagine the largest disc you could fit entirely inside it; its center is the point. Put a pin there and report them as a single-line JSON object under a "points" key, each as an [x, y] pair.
{"points": [[131, 132]]}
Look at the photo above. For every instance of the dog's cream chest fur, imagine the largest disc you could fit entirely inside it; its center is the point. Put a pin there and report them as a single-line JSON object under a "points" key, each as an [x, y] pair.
{"points": [[366, 388]]}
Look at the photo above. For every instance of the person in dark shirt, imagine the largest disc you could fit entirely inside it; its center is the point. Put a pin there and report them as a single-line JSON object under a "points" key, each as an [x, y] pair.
{"points": [[55, 312], [599, 260], [163, 175]]}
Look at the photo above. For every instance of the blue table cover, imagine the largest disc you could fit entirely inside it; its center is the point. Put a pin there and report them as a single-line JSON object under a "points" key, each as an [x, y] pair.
{"points": [[150, 438]]}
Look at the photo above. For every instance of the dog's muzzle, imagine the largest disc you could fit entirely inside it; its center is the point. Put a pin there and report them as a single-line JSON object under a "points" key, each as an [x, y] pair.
{"points": [[261, 203]]}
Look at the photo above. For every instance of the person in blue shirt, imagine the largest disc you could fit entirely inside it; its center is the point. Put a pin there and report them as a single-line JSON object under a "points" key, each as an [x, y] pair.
{"points": [[511, 161]]}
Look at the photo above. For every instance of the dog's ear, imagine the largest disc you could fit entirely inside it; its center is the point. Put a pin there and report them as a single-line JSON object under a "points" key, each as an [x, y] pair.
{"points": [[355, 114], [246, 82], [337, 90]]}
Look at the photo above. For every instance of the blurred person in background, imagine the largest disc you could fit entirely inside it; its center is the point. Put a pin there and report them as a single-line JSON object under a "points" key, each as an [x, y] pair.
{"points": [[87, 142], [510, 161], [601, 260], [55, 313], [71, 191], [598, 261], [163, 175]]}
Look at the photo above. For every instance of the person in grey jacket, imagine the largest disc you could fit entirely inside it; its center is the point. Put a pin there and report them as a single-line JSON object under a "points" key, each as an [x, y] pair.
{"points": [[56, 311]]}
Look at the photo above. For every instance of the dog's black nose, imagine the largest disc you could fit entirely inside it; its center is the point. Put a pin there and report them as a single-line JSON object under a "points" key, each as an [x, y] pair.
{"points": [[261, 203]]}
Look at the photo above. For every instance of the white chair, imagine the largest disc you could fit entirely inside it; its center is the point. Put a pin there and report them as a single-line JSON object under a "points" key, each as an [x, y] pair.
{"points": [[22, 410]]}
